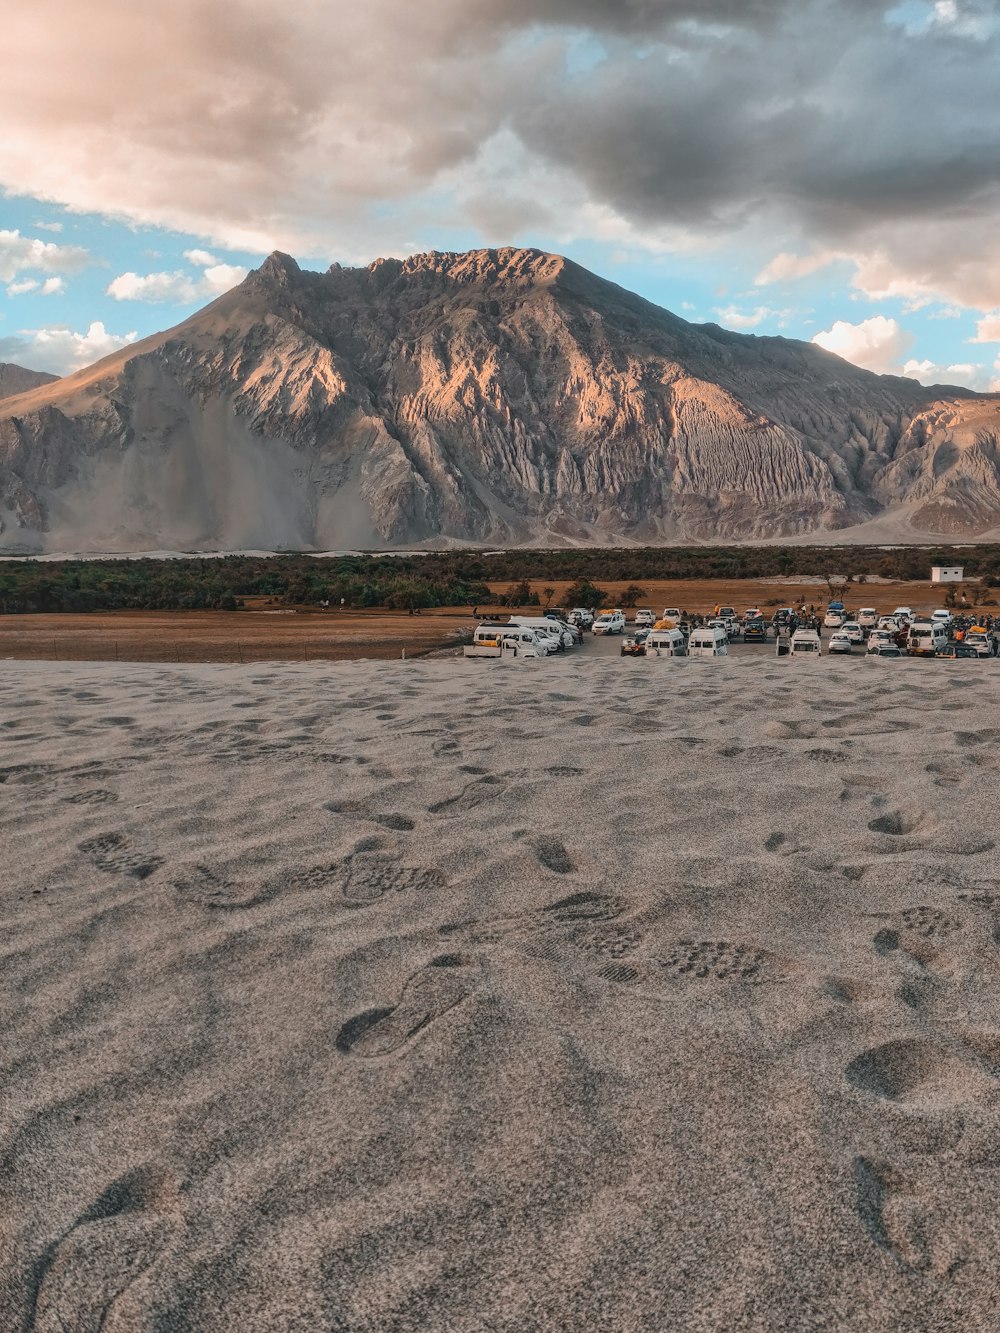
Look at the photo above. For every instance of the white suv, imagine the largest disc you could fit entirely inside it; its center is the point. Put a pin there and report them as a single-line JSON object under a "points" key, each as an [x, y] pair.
{"points": [[868, 617], [643, 618], [610, 622], [833, 620], [853, 631]]}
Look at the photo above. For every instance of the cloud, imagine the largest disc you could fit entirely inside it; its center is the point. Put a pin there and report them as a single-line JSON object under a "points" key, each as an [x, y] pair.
{"points": [[200, 258], [22, 288], [988, 329], [178, 288], [733, 318], [786, 267], [877, 344], [981, 378], [26, 254], [53, 287], [49, 226], [690, 123], [59, 350]]}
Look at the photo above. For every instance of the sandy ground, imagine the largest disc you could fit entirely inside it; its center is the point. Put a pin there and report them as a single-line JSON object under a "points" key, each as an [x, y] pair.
{"points": [[563, 995]]}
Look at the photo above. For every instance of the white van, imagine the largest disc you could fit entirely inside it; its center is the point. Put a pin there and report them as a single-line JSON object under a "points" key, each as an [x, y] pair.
{"points": [[564, 638], [806, 641], [504, 641], [925, 638], [708, 643], [665, 643]]}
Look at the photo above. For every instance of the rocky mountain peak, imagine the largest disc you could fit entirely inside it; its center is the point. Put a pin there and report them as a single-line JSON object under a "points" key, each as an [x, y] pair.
{"points": [[499, 396]]}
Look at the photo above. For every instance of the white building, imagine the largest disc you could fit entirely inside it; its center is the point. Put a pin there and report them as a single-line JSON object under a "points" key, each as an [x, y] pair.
{"points": [[947, 573]]}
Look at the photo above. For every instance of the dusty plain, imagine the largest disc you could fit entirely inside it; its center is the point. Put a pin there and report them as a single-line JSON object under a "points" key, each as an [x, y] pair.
{"points": [[567, 995]]}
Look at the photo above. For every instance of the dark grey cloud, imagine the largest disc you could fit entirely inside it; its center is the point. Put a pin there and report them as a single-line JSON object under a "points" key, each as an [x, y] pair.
{"points": [[819, 123]]}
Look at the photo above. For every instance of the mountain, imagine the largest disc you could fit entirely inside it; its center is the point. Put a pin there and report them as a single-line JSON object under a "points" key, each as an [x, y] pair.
{"points": [[15, 379], [499, 397]]}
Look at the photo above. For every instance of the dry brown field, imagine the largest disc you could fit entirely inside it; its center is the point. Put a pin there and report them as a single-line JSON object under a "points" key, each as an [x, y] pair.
{"points": [[269, 633]]}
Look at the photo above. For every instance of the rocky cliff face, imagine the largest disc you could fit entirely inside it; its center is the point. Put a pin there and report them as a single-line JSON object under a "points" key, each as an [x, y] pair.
{"points": [[15, 379], [497, 397]]}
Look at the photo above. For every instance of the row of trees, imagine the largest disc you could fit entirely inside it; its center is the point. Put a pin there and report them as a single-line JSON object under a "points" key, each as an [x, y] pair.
{"points": [[222, 584], [454, 578]]}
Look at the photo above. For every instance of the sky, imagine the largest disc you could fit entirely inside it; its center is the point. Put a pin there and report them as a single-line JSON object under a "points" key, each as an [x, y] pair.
{"points": [[820, 169]]}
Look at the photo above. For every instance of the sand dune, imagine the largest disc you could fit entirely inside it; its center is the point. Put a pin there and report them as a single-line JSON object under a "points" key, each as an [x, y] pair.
{"points": [[460, 996]]}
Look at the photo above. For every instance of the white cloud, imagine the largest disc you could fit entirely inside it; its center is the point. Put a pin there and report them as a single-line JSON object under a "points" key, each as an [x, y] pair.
{"points": [[965, 373], [786, 267], [200, 258], [988, 329], [59, 350], [734, 318], [178, 288], [22, 288], [25, 254], [49, 226], [53, 287], [877, 344]]}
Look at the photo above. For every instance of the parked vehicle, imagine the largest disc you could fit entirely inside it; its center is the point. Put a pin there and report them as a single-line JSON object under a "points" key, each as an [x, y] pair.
{"points": [[575, 632], [868, 617], [956, 650], [925, 639], [806, 641], [942, 616], [727, 613], [635, 645], [560, 634], [840, 642], [645, 618], [853, 630], [885, 650], [903, 613], [880, 636], [493, 640], [666, 643], [752, 613], [834, 619], [755, 631], [717, 622], [673, 614], [891, 623], [609, 622], [980, 641], [582, 617], [784, 616], [711, 641]]}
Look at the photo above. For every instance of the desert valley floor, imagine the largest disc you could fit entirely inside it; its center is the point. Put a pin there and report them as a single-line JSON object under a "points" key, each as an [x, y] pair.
{"points": [[499, 996]]}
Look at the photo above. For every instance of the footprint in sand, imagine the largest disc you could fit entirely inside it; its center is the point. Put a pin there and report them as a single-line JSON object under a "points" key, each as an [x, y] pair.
{"points": [[550, 853], [428, 994], [211, 888], [95, 796], [914, 830], [919, 1072], [899, 1217], [86, 1280], [392, 819], [366, 876], [486, 788], [111, 853], [714, 960]]}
